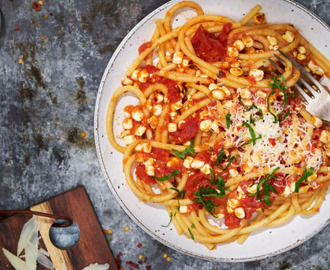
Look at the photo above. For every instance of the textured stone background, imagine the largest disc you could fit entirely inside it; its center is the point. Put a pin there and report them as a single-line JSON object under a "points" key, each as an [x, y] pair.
{"points": [[48, 101]]}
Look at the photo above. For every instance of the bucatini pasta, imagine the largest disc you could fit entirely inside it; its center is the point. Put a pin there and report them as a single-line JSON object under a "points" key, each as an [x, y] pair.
{"points": [[218, 136]]}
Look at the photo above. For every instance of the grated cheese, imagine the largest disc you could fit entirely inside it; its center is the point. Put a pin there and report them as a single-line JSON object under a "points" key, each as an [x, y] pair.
{"points": [[263, 154]]}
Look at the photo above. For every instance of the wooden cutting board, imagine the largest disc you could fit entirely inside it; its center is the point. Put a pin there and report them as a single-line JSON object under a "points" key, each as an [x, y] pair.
{"points": [[91, 248]]}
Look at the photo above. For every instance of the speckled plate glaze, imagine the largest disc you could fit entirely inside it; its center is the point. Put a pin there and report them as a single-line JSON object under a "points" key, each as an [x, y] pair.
{"points": [[149, 216]]}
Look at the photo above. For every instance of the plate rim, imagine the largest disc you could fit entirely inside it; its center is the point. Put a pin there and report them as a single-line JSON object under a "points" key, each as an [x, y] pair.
{"points": [[108, 179]]}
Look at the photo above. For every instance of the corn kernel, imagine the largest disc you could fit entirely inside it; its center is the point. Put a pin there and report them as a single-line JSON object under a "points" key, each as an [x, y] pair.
{"points": [[129, 139], [135, 74], [197, 164], [143, 76], [230, 210], [272, 40], [325, 136], [244, 93], [153, 121], [252, 188], [248, 41], [187, 161], [137, 115], [127, 123], [185, 62], [240, 213], [233, 203], [261, 94], [177, 58], [172, 127], [157, 109], [126, 229], [232, 52], [126, 81], [150, 170], [206, 169], [20, 61], [213, 86], [233, 172], [205, 125], [302, 49], [215, 126], [288, 36], [239, 45], [312, 66], [257, 74], [225, 90], [218, 94], [236, 71], [140, 131], [183, 209], [301, 56], [317, 122]]}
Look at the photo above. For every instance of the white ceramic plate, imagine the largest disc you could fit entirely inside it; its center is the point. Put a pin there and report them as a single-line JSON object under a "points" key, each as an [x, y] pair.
{"points": [[150, 217]]}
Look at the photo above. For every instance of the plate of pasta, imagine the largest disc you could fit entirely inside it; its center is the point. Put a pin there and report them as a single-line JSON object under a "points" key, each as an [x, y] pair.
{"points": [[205, 145]]}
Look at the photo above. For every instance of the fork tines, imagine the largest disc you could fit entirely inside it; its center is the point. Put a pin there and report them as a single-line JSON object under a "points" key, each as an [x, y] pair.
{"points": [[304, 94]]}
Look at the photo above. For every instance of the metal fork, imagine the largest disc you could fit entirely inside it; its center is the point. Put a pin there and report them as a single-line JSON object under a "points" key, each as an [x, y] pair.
{"points": [[315, 97]]}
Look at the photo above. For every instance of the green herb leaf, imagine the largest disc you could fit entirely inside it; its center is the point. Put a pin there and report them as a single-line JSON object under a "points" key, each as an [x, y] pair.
{"points": [[267, 187], [189, 150], [221, 156], [261, 114], [181, 194], [252, 120], [191, 235], [252, 133], [228, 115], [166, 177], [229, 162], [171, 217], [268, 106], [304, 177]]}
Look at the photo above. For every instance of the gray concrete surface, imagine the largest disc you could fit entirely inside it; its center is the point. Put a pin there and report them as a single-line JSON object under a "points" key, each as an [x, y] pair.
{"points": [[48, 101]]}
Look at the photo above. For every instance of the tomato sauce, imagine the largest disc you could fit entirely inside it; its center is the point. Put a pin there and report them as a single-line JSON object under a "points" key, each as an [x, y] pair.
{"points": [[208, 47], [140, 172], [145, 46], [187, 131], [173, 93]]}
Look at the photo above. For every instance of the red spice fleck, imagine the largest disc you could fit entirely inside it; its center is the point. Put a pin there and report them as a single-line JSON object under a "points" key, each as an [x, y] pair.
{"points": [[139, 245], [36, 6], [132, 265], [272, 141], [16, 28], [221, 74], [145, 259], [148, 267], [118, 259], [140, 262]]}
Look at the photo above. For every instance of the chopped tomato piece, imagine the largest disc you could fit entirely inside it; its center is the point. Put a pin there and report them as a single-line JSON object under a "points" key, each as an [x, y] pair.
{"points": [[187, 131], [209, 48]]}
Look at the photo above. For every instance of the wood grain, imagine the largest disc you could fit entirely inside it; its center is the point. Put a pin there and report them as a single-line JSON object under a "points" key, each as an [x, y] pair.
{"points": [[92, 246]]}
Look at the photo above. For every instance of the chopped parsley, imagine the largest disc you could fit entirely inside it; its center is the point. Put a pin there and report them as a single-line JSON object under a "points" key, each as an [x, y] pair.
{"points": [[166, 177], [304, 177], [189, 150]]}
